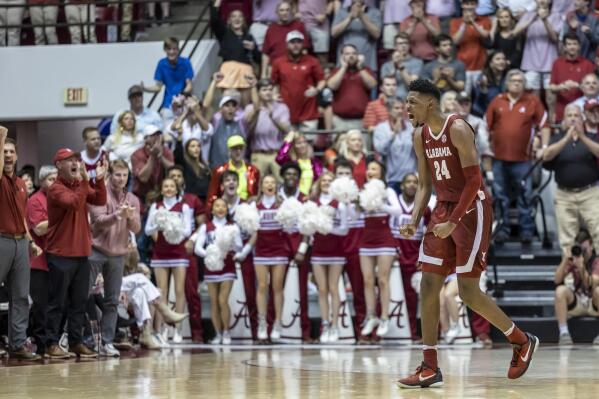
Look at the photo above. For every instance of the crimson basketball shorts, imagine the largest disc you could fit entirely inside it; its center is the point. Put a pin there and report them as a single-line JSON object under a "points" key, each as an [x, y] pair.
{"points": [[465, 251]]}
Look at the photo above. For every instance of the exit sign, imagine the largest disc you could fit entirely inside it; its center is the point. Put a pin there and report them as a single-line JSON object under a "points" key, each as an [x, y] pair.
{"points": [[75, 96]]}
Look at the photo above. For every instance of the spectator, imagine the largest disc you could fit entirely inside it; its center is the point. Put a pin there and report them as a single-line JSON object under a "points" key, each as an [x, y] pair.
{"points": [[165, 7], [584, 23], [591, 117], [76, 13], [518, 7], [393, 140], [44, 12], [377, 111], [191, 123], [572, 155], [402, 65], [93, 154], [173, 72], [267, 120], [469, 33], [300, 78], [577, 292], [511, 118], [486, 7], [249, 175], [351, 84], [589, 85], [143, 115], [352, 149], [361, 26], [238, 49], [111, 225], [69, 244], [481, 133], [28, 180], [196, 172], [393, 13], [491, 81], [263, 14], [540, 45], [15, 245], [448, 102], [125, 140], [11, 16], [37, 222], [315, 15], [442, 9], [446, 72], [566, 74], [149, 163], [420, 28], [227, 124], [297, 149], [170, 259], [502, 39], [273, 46]]}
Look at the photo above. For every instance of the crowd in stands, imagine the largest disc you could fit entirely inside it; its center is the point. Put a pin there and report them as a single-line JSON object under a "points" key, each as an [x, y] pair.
{"points": [[308, 92]]}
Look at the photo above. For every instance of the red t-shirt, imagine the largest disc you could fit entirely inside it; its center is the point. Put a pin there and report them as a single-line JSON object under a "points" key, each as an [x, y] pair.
{"points": [[13, 199], [37, 212], [564, 69], [471, 49], [293, 79], [138, 160], [275, 40], [352, 96], [421, 41]]}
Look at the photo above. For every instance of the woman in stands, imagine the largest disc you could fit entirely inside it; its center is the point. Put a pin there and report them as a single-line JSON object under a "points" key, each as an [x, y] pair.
{"points": [[196, 173], [219, 282], [377, 252], [449, 102], [170, 259], [490, 83], [328, 258], [352, 149], [124, 141], [238, 49], [297, 149]]}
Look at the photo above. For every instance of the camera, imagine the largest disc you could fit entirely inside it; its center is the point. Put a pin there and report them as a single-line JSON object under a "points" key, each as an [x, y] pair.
{"points": [[576, 251]]}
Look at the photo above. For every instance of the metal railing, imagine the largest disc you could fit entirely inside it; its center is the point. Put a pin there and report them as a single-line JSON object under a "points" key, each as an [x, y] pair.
{"points": [[536, 200]]}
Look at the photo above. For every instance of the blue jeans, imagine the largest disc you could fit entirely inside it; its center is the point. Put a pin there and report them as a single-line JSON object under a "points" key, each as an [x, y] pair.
{"points": [[508, 174]]}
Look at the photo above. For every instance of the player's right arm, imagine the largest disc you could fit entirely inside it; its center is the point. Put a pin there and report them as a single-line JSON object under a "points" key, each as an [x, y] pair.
{"points": [[423, 193]]}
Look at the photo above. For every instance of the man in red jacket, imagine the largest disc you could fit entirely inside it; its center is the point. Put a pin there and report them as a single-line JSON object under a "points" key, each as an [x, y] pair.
{"points": [[69, 244]]}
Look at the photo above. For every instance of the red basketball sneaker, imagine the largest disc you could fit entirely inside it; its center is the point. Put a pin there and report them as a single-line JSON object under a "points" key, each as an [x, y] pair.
{"points": [[522, 357], [424, 377]]}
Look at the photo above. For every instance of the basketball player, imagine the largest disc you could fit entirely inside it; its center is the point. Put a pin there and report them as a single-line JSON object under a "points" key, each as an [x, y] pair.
{"points": [[457, 237]]}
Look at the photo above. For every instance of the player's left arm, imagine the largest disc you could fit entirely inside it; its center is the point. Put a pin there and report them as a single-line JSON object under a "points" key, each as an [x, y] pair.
{"points": [[462, 138]]}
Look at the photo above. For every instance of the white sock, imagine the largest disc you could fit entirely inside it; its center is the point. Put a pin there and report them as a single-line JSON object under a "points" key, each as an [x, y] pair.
{"points": [[564, 329], [509, 330]]}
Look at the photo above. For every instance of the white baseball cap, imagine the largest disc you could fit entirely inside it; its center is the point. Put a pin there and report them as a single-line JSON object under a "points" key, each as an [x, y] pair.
{"points": [[226, 99], [150, 130], [294, 34]]}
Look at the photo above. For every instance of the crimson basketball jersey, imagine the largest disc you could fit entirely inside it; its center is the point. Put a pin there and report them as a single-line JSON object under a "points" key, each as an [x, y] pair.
{"points": [[444, 162]]}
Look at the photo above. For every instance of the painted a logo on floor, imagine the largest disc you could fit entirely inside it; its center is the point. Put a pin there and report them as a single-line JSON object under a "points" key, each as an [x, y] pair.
{"points": [[243, 314], [343, 315], [294, 316], [397, 312]]}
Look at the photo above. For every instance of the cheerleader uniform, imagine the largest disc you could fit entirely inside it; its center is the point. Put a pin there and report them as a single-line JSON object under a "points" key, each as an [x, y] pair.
{"points": [[328, 249], [377, 238], [206, 236], [271, 243], [165, 254], [294, 238]]}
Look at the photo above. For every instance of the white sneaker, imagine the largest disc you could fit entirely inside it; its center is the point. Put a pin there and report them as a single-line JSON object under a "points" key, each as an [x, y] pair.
{"points": [[275, 334], [108, 350], [596, 340], [566, 339], [371, 323], [226, 338], [452, 333], [262, 330], [159, 338], [164, 334], [333, 335], [217, 339], [324, 335], [383, 328], [177, 337]]}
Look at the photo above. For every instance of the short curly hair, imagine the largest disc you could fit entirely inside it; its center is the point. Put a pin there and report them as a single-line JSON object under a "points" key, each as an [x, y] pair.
{"points": [[425, 86]]}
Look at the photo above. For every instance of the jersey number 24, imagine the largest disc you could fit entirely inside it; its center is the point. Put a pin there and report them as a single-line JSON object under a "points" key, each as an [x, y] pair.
{"points": [[441, 171]]}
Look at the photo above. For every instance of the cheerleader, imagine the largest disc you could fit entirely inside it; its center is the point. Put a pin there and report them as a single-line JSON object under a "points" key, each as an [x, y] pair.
{"points": [[270, 257], [169, 258], [377, 252], [219, 282], [328, 259]]}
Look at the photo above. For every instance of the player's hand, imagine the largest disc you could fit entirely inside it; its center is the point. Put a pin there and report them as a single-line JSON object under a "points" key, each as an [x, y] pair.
{"points": [[407, 230], [444, 230], [102, 169]]}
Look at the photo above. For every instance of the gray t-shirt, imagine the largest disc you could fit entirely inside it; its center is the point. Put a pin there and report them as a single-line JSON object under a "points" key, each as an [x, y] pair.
{"points": [[459, 72], [413, 67], [357, 35], [219, 153]]}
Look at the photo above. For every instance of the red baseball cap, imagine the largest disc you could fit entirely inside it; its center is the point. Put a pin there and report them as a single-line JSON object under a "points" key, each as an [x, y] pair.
{"points": [[590, 104], [65, 153]]}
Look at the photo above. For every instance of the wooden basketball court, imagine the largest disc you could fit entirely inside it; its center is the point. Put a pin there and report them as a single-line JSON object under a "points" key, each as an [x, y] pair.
{"points": [[295, 372]]}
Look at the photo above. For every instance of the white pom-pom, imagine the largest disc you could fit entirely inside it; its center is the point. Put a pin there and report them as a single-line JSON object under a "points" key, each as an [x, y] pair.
{"points": [[325, 219], [289, 212], [308, 221], [214, 259], [344, 189], [372, 197], [160, 218], [173, 229], [247, 217], [224, 238]]}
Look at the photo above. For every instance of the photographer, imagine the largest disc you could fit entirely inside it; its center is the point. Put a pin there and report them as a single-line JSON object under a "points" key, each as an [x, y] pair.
{"points": [[577, 285]]}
